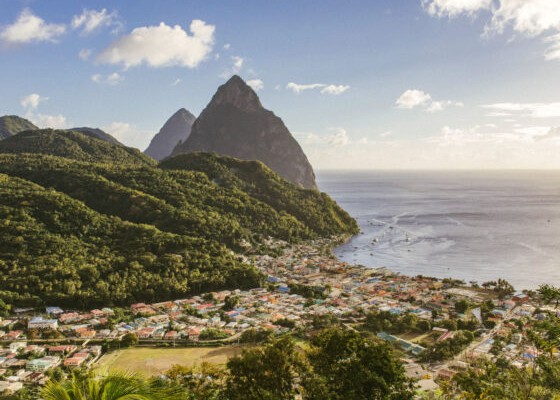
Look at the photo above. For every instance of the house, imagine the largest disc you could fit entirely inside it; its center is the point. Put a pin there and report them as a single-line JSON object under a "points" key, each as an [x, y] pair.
{"points": [[43, 364], [194, 334], [69, 317], [16, 346], [520, 298], [13, 335], [445, 373], [171, 335], [40, 323], [75, 361], [64, 349]]}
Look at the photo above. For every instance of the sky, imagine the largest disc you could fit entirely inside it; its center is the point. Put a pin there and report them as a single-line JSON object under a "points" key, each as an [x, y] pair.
{"points": [[384, 84]]}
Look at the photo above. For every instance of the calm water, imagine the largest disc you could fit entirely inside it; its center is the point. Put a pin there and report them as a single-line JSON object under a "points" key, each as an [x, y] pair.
{"points": [[468, 225]]}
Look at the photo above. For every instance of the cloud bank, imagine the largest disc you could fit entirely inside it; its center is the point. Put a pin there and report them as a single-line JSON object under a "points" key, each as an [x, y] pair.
{"points": [[162, 46], [29, 28]]}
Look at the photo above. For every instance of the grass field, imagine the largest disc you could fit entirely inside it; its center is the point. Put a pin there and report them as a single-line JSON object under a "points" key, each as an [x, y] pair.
{"points": [[150, 361]]}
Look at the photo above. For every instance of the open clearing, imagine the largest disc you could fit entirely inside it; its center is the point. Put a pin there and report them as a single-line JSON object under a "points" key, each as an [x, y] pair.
{"points": [[150, 361]]}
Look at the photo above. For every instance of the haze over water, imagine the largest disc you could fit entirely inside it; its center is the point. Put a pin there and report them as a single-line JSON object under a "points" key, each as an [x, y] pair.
{"points": [[467, 225]]}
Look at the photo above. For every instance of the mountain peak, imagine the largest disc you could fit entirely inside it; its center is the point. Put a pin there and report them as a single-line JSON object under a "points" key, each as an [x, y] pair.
{"points": [[235, 124], [175, 130], [12, 124], [183, 113], [238, 94]]}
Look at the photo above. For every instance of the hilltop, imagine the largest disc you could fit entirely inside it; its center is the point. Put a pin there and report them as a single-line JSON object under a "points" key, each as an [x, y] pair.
{"points": [[74, 145], [175, 130], [12, 124]]}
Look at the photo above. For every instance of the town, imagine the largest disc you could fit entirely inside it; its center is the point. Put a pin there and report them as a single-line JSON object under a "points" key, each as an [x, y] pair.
{"points": [[306, 286]]}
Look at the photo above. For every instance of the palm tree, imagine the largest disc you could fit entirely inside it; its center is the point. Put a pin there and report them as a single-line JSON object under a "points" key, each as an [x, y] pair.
{"points": [[115, 386]]}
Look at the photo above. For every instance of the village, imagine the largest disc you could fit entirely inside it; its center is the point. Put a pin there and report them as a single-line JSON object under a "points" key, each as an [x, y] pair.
{"points": [[303, 284]]}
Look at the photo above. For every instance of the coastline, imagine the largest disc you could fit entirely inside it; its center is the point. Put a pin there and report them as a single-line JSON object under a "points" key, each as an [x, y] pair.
{"points": [[474, 227]]}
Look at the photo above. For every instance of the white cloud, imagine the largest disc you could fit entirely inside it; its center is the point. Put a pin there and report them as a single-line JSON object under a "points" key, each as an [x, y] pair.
{"points": [[29, 28], [473, 135], [256, 84], [325, 89], [227, 46], [32, 101], [553, 51], [531, 18], [112, 79], [120, 130], [298, 88], [338, 138], [129, 134], [162, 46], [237, 63], [437, 106], [91, 20], [84, 54], [478, 135], [454, 8], [176, 82], [553, 133], [335, 89], [48, 121], [385, 134], [412, 98], [533, 110]]}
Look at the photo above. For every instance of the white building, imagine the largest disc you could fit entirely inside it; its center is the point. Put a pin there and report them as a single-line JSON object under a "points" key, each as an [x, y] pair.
{"points": [[40, 323]]}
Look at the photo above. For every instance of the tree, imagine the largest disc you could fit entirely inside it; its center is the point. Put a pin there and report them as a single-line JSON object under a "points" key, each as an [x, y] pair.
{"points": [[230, 302], [265, 373], [129, 340], [115, 386], [549, 294], [503, 288], [4, 309], [461, 306], [347, 365], [204, 382]]}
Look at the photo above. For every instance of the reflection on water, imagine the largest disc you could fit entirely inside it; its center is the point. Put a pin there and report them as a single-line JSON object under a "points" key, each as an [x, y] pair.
{"points": [[468, 225]]}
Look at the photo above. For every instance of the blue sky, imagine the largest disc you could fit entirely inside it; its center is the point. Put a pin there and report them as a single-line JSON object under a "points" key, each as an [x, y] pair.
{"points": [[433, 84]]}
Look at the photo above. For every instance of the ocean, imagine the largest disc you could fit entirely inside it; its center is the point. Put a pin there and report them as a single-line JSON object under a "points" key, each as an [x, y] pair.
{"points": [[474, 226]]}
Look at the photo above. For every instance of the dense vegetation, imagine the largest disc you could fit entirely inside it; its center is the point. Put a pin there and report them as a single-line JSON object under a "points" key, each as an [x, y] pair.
{"points": [[254, 178], [74, 145], [12, 124], [337, 364], [56, 249], [85, 233]]}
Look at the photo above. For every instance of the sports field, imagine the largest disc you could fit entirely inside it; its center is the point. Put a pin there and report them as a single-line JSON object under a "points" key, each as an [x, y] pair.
{"points": [[151, 361]]}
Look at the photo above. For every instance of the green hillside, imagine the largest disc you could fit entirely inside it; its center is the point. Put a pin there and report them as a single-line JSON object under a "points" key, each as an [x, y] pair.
{"points": [[12, 124], [316, 210], [114, 233], [73, 145], [56, 250]]}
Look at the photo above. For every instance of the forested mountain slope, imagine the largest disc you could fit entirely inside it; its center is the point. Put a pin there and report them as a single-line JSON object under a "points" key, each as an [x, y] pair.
{"points": [[124, 230]]}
